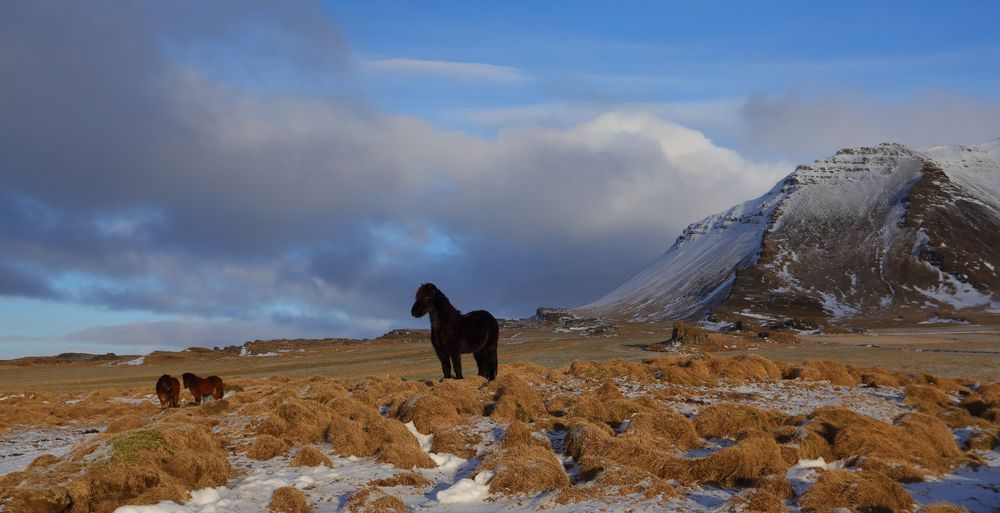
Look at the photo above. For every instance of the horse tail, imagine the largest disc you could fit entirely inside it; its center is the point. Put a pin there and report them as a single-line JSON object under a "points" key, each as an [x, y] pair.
{"points": [[492, 341]]}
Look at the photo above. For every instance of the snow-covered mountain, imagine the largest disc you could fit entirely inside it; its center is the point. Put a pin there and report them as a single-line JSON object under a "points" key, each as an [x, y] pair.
{"points": [[871, 233]]}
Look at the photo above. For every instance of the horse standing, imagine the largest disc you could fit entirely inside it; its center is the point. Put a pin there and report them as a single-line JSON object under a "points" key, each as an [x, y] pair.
{"points": [[168, 389], [453, 333], [200, 387]]}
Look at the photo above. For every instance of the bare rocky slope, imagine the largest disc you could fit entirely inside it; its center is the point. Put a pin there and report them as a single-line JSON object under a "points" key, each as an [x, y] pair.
{"points": [[871, 234]]}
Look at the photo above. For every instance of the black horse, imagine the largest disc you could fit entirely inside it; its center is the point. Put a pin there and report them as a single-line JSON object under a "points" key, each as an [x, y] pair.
{"points": [[454, 333]]}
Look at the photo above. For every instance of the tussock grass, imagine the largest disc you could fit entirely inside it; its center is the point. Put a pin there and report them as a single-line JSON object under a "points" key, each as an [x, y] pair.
{"points": [[403, 479], [515, 398], [356, 429], [942, 507], [310, 456], [126, 423], [856, 491], [457, 440], [465, 395], [822, 370], [757, 501], [266, 447], [744, 464], [730, 420], [288, 499], [524, 464], [428, 413], [666, 428], [372, 500], [926, 398], [380, 390]]}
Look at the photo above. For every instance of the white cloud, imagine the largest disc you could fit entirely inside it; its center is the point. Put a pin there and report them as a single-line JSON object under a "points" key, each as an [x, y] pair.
{"points": [[450, 69]]}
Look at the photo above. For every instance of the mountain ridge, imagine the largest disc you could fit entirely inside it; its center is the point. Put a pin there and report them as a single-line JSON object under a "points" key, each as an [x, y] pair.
{"points": [[868, 233]]}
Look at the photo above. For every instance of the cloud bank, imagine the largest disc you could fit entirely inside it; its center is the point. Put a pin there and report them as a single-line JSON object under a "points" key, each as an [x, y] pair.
{"points": [[134, 180]]}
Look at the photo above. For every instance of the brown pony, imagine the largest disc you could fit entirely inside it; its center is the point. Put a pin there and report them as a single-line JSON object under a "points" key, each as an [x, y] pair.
{"points": [[168, 389], [200, 387], [454, 333]]}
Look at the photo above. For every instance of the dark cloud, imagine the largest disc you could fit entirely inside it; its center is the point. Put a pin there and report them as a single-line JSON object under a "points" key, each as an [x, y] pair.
{"points": [[142, 172]]}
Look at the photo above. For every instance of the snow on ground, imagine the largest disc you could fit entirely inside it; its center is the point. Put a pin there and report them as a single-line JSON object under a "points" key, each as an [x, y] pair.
{"points": [[977, 490], [18, 450]]}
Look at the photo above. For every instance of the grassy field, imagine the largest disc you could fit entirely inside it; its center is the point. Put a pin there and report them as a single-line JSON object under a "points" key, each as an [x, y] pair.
{"points": [[972, 352]]}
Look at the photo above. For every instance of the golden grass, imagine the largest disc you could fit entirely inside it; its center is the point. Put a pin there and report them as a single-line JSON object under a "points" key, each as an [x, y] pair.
{"points": [[126, 423], [757, 501], [744, 464], [310, 456], [464, 395], [288, 499], [857, 491], [371, 500], [985, 440], [822, 370], [524, 464], [356, 429], [942, 507], [515, 398], [266, 447], [402, 479], [730, 420], [457, 440], [428, 413], [138, 467], [926, 398], [666, 428], [595, 448]]}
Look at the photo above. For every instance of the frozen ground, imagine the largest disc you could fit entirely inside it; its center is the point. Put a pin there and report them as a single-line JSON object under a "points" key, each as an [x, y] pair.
{"points": [[19, 449]]}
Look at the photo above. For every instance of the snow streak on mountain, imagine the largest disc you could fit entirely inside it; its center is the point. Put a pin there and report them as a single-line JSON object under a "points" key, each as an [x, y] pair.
{"points": [[884, 233]]}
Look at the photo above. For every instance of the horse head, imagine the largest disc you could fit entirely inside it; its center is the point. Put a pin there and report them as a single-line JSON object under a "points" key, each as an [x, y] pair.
{"points": [[189, 379], [425, 300]]}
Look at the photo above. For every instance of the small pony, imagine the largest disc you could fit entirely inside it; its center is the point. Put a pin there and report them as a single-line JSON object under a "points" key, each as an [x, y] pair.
{"points": [[454, 333], [200, 387], [168, 389]]}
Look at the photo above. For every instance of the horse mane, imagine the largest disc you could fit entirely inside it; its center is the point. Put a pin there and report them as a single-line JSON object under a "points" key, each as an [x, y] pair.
{"points": [[441, 302]]}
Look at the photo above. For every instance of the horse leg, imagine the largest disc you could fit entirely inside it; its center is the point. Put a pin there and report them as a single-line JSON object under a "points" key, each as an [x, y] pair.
{"points": [[481, 363], [456, 362], [445, 362]]}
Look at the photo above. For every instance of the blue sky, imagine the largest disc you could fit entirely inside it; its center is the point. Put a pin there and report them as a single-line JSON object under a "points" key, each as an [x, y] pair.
{"points": [[177, 175]]}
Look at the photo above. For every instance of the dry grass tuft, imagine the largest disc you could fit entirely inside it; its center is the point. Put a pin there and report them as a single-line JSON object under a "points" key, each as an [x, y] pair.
{"points": [[357, 429], [371, 500], [917, 439], [942, 507], [403, 479], [744, 368], [857, 491], [730, 420], [310, 456], [985, 440], [875, 377], [428, 413], [288, 499], [464, 395], [378, 391], [822, 370], [667, 428], [744, 464], [515, 398], [926, 398], [266, 447], [605, 405], [126, 423], [133, 467], [524, 464], [457, 441], [595, 449], [757, 501], [682, 370]]}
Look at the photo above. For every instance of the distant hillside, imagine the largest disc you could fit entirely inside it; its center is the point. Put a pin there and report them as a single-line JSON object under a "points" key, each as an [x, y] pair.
{"points": [[884, 233]]}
